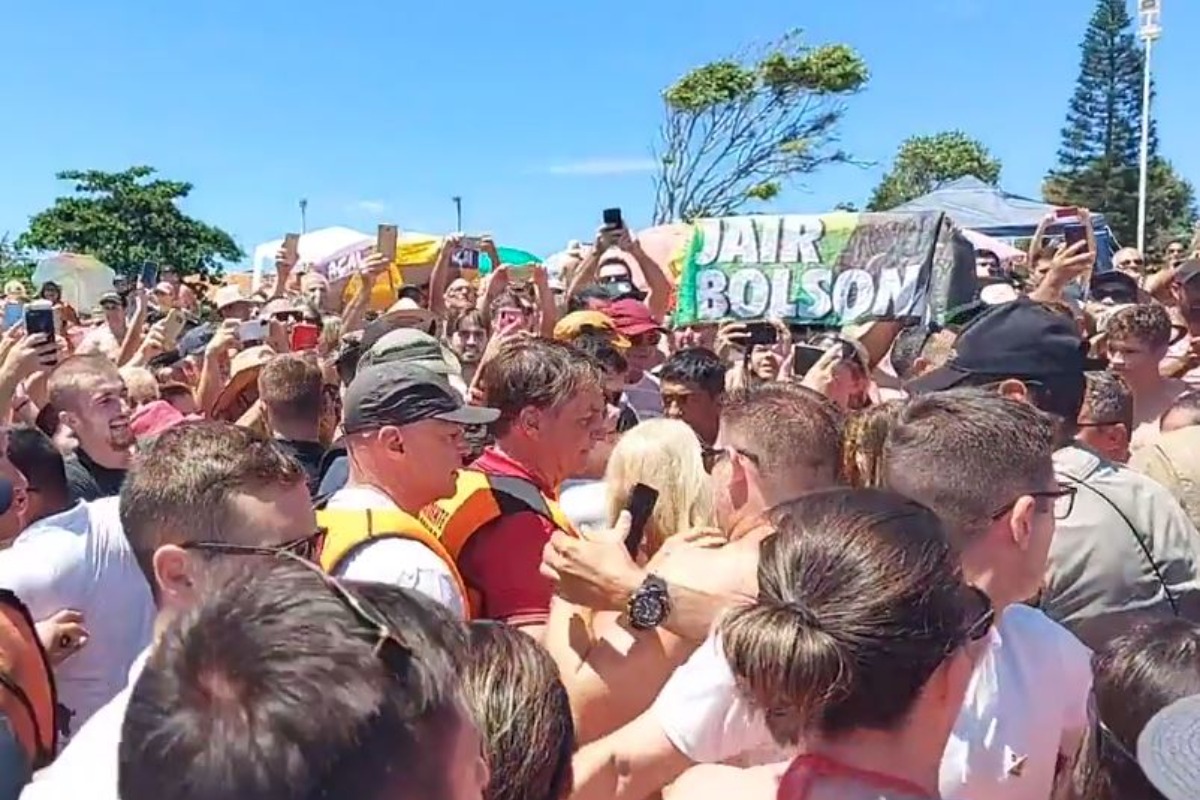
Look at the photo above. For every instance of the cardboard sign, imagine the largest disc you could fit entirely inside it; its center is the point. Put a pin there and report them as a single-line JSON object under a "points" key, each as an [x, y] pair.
{"points": [[829, 269]]}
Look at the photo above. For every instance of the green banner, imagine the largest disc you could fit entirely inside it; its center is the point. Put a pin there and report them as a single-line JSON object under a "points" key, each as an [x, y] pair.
{"points": [[829, 269]]}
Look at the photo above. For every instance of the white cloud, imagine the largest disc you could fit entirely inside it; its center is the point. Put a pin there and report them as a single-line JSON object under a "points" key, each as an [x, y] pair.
{"points": [[604, 166], [370, 206]]}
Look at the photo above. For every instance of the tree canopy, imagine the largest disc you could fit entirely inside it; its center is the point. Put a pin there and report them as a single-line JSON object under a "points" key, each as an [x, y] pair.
{"points": [[736, 129], [1098, 161], [924, 163], [127, 218]]}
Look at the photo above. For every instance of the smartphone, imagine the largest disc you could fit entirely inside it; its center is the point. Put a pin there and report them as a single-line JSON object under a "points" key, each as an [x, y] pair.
{"points": [[804, 358], [509, 316], [1069, 212], [253, 330], [291, 246], [466, 258], [642, 500], [149, 275], [1073, 234], [761, 333], [304, 336], [14, 314], [612, 219], [385, 241], [39, 318], [174, 323]]}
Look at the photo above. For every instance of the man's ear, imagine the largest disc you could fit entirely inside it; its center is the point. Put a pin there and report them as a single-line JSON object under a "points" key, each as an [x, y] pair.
{"points": [[172, 574], [1021, 521], [1014, 389], [529, 419]]}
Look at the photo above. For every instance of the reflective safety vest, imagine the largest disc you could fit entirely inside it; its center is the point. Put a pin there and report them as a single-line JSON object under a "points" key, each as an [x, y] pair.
{"points": [[27, 692], [481, 498], [349, 529]]}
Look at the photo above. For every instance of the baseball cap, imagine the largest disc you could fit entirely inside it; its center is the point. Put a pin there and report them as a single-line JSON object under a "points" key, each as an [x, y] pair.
{"points": [[156, 417], [577, 323], [401, 393], [410, 346], [195, 340], [228, 296], [1168, 749], [109, 297], [1114, 287], [632, 317], [1019, 339], [1188, 271]]}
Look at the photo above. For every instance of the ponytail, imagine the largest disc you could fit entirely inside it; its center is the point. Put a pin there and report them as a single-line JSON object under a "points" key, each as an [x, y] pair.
{"points": [[788, 663]]}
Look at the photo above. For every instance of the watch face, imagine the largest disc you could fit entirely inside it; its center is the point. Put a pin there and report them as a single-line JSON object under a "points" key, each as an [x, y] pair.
{"points": [[648, 609]]}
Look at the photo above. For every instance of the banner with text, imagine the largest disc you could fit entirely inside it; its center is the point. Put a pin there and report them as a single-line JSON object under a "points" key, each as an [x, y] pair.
{"points": [[829, 269]]}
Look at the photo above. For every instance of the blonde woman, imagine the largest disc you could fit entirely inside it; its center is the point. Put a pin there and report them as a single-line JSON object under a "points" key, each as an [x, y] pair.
{"points": [[665, 455], [590, 647]]}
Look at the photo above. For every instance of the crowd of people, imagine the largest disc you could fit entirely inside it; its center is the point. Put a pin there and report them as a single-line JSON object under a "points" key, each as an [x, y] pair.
{"points": [[518, 537]]}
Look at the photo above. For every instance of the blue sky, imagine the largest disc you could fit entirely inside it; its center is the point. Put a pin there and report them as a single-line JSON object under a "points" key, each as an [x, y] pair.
{"points": [[539, 114]]}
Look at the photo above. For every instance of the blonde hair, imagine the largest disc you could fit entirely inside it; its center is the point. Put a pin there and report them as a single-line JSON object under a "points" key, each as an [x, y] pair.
{"points": [[141, 385], [665, 455]]}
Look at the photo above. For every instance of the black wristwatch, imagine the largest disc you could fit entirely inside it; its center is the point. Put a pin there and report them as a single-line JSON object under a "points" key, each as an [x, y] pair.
{"points": [[650, 605]]}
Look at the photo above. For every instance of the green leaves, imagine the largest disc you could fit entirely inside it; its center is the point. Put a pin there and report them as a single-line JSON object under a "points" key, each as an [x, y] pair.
{"points": [[126, 218], [736, 129], [924, 163]]}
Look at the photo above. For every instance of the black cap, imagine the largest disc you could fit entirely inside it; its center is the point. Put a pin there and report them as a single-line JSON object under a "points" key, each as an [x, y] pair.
{"points": [[1018, 339], [1188, 271], [1115, 286], [400, 393]]}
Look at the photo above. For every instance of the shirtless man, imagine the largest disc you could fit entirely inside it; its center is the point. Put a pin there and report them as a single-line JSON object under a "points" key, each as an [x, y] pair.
{"points": [[1138, 338]]}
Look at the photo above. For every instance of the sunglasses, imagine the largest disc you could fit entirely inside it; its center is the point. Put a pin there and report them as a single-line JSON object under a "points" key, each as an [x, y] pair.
{"points": [[712, 455], [1063, 496], [646, 339], [307, 548], [981, 617]]}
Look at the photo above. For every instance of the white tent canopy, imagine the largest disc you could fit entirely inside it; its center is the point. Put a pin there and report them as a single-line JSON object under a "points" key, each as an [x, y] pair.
{"points": [[332, 251]]}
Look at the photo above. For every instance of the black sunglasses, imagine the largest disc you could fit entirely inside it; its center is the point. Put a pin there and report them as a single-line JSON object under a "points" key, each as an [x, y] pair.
{"points": [[307, 548], [981, 617]]}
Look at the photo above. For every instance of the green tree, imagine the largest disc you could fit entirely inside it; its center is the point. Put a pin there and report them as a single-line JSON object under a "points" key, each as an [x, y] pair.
{"points": [[15, 264], [126, 218], [925, 163], [735, 129], [1098, 161]]}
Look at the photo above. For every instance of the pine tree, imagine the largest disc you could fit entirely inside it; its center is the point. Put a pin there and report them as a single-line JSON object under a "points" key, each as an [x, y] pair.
{"points": [[1101, 142]]}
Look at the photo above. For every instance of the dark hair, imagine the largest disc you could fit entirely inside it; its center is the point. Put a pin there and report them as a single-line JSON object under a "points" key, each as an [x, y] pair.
{"points": [[1135, 677], [33, 453], [600, 348], [274, 688], [346, 359], [470, 315], [966, 453], [1108, 401], [907, 347], [1148, 324], [792, 431], [697, 366], [534, 372], [179, 487], [860, 599], [290, 386], [584, 297], [524, 715]]}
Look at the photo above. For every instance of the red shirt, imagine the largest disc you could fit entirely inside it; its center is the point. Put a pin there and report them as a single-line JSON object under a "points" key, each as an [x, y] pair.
{"points": [[502, 559]]}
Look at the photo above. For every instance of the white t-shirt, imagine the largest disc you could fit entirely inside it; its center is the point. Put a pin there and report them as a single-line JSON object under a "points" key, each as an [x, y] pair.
{"points": [[1026, 704], [396, 562], [80, 560], [585, 503], [88, 766]]}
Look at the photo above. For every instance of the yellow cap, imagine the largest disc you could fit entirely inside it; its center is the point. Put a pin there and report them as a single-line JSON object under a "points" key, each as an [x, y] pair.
{"points": [[577, 323]]}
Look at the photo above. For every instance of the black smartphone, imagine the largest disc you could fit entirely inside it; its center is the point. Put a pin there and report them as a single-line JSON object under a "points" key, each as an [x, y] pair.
{"points": [[761, 333], [612, 219], [149, 275], [804, 358], [39, 318], [642, 500]]}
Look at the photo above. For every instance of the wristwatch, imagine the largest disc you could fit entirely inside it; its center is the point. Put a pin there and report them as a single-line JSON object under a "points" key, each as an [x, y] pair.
{"points": [[650, 605]]}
